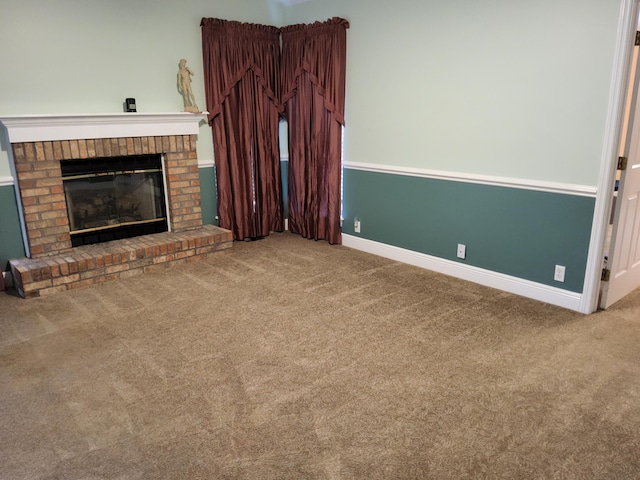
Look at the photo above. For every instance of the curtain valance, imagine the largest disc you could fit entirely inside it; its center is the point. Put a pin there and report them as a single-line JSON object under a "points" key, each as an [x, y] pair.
{"points": [[231, 50], [318, 50]]}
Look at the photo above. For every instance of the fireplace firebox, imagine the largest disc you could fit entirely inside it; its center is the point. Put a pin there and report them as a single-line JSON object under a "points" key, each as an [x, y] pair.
{"points": [[114, 198]]}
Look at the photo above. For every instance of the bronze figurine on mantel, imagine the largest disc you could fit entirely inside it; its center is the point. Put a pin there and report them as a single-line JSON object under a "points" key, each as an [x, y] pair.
{"points": [[184, 87]]}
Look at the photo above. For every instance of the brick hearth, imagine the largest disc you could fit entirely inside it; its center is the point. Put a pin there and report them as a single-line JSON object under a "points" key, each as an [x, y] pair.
{"points": [[93, 264]]}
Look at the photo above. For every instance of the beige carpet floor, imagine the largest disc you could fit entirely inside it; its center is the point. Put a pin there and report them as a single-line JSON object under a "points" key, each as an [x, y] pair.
{"points": [[290, 359]]}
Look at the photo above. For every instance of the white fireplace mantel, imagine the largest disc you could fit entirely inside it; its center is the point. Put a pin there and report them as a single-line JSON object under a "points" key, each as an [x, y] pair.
{"points": [[42, 128]]}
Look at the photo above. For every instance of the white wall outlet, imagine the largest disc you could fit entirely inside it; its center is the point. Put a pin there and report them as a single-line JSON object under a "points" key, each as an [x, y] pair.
{"points": [[7, 279], [558, 275], [462, 251], [356, 225]]}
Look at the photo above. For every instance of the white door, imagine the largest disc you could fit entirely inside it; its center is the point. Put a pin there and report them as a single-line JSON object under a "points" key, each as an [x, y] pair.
{"points": [[624, 254]]}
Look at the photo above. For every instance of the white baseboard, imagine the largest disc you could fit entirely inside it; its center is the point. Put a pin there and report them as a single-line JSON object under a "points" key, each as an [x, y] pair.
{"points": [[500, 281]]}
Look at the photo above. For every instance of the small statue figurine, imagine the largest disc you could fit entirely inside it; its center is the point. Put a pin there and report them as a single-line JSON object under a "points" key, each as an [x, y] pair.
{"points": [[184, 87]]}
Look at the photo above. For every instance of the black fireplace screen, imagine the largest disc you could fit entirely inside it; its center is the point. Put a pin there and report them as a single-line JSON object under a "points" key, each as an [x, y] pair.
{"points": [[114, 198]]}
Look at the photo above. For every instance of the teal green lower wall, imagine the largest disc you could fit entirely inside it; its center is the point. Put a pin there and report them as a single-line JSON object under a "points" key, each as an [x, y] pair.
{"points": [[517, 232], [208, 197], [11, 245], [522, 233]]}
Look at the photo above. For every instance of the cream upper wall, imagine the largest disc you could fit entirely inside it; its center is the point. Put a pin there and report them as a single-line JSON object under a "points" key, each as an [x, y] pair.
{"points": [[87, 56], [512, 88]]}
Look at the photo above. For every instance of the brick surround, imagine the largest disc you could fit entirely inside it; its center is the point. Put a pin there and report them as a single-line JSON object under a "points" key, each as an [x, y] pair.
{"points": [[44, 206], [39, 143]]}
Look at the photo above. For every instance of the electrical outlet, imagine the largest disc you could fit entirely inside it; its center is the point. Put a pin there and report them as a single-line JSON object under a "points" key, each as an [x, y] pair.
{"points": [[558, 275], [356, 225], [462, 251]]}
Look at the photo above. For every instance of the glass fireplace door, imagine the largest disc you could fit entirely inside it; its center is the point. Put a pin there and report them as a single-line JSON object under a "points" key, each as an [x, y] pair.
{"points": [[114, 204]]}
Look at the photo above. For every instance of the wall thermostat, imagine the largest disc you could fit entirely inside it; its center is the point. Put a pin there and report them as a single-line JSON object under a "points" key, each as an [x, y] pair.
{"points": [[130, 105]]}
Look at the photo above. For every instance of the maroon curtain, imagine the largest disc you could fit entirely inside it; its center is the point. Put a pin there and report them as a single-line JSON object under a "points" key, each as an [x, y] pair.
{"points": [[241, 63], [313, 92]]}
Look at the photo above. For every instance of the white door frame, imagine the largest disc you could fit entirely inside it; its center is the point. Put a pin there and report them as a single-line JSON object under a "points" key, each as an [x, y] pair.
{"points": [[627, 27]]}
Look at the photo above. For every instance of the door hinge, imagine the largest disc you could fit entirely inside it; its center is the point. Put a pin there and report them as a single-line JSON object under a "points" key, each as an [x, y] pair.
{"points": [[622, 163], [606, 275], [637, 38]]}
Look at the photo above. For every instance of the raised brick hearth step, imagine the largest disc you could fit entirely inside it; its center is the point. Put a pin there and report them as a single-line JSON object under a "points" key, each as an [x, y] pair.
{"points": [[92, 264]]}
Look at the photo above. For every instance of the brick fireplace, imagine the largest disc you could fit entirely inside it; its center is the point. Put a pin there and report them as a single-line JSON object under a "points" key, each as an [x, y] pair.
{"points": [[38, 146]]}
